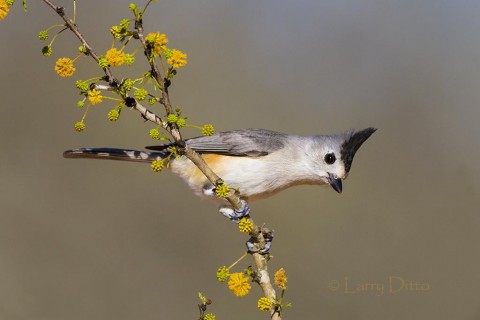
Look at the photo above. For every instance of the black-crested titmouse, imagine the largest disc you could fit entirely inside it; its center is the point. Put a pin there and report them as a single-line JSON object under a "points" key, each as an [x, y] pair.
{"points": [[258, 162]]}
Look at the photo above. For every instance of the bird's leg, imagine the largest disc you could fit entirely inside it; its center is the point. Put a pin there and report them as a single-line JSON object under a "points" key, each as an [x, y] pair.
{"points": [[235, 214], [260, 241], [227, 210]]}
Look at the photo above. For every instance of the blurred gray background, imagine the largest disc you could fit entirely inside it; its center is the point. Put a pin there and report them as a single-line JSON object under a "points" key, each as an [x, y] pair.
{"points": [[107, 240]]}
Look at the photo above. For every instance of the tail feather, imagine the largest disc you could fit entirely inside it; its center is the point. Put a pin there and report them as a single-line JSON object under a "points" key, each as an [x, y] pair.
{"points": [[115, 154]]}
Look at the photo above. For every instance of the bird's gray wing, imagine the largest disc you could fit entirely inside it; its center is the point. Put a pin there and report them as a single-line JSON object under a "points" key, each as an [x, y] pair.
{"points": [[245, 142]]}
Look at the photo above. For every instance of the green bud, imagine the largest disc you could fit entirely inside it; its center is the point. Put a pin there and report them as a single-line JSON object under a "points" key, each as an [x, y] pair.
{"points": [[103, 62], [43, 35], [47, 51], [172, 118]]}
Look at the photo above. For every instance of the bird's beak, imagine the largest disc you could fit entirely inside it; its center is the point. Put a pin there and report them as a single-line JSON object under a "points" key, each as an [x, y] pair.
{"points": [[335, 182]]}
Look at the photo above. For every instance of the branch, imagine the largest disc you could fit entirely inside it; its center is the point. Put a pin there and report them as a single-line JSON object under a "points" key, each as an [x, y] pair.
{"points": [[233, 198], [261, 261], [73, 27]]}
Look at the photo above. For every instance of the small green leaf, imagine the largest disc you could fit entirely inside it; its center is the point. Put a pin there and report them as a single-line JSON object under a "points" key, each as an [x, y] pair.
{"points": [[202, 297]]}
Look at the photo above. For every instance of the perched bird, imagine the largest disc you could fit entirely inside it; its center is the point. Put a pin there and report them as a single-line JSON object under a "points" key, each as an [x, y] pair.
{"points": [[258, 162]]}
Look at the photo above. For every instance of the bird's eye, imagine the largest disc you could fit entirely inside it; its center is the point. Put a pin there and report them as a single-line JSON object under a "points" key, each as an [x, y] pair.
{"points": [[330, 158]]}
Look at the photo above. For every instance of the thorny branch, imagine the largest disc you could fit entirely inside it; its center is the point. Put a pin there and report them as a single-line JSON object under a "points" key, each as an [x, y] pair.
{"points": [[261, 261]]}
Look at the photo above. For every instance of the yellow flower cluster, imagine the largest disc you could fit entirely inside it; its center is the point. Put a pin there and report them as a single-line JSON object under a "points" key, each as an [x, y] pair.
{"points": [[239, 284], [209, 316], [4, 9], [221, 190], [264, 304], [64, 67], [208, 130], [157, 165], [177, 59], [114, 57], [79, 126], [245, 225], [281, 279], [95, 96], [157, 41], [154, 134]]}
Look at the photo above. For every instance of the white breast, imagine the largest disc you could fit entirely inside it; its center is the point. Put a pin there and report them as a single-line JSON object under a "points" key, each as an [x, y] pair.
{"points": [[256, 177]]}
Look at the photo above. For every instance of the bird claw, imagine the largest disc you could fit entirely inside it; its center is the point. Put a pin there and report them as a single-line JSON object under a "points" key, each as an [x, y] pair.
{"points": [[235, 214], [252, 244]]}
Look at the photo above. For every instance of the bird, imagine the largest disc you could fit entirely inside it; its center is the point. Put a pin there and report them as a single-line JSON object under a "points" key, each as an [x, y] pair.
{"points": [[257, 162]]}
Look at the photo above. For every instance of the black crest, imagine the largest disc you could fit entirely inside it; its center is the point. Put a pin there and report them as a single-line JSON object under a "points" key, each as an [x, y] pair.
{"points": [[353, 142]]}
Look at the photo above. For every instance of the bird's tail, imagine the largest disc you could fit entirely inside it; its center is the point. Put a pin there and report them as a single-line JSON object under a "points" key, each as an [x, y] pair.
{"points": [[116, 154]]}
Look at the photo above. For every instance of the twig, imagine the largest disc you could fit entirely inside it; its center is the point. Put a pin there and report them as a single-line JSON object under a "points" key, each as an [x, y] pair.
{"points": [[234, 198], [73, 27]]}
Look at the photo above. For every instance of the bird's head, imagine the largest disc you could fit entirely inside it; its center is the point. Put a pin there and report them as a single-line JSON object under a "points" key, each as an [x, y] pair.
{"points": [[334, 155]]}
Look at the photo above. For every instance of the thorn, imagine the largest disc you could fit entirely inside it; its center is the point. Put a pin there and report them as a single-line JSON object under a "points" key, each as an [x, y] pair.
{"points": [[130, 102]]}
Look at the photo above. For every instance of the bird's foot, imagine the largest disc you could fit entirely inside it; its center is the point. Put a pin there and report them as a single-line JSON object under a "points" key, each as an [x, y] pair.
{"points": [[235, 214], [260, 242]]}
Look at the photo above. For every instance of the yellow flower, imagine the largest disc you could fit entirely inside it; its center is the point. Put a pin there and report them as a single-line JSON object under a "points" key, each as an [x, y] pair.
{"points": [[264, 304], [208, 130], [154, 134], [239, 285], [114, 57], [209, 316], [64, 67], [281, 279], [177, 59], [157, 165], [157, 41], [4, 9], [245, 225], [222, 190], [94, 96], [79, 126]]}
